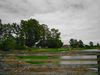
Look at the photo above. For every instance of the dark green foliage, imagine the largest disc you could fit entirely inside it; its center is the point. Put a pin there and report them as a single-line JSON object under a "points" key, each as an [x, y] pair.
{"points": [[28, 33], [7, 44], [98, 45], [44, 31], [50, 39], [17, 41], [71, 42], [74, 43], [1, 30], [91, 43], [87, 47], [33, 57], [35, 62], [80, 43], [54, 41], [18, 47], [16, 31]]}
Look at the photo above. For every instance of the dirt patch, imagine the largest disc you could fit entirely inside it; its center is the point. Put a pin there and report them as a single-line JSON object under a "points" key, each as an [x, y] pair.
{"points": [[14, 62]]}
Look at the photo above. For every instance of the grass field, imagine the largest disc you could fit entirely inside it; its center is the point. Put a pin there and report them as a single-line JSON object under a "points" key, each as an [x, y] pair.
{"points": [[35, 62], [36, 57]]}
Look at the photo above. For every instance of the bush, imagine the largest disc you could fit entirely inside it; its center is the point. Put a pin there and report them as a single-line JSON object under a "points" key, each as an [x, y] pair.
{"points": [[6, 45], [20, 47], [87, 47]]}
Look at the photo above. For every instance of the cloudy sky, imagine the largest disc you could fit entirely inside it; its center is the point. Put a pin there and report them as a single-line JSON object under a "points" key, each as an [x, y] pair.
{"points": [[78, 19]]}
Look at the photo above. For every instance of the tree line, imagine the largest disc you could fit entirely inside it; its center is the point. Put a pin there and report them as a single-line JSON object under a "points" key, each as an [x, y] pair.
{"points": [[28, 33], [75, 43]]}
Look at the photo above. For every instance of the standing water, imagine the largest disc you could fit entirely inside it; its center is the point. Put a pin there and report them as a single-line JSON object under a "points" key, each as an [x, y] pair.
{"points": [[81, 57]]}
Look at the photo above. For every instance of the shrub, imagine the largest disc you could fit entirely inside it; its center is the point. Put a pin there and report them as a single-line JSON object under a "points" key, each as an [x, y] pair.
{"points": [[20, 47], [87, 47], [6, 45]]}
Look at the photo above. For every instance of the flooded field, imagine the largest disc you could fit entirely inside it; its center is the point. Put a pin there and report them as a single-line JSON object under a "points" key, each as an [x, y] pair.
{"points": [[79, 62], [81, 57]]}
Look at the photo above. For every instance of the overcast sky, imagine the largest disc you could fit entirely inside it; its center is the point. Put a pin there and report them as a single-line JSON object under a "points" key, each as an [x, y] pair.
{"points": [[78, 19]]}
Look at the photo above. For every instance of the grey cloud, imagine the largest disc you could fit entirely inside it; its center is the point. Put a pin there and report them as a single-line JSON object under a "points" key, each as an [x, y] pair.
{"points": [[74, 18]]}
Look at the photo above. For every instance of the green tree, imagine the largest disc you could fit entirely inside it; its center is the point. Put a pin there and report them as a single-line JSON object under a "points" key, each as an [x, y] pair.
{"points": [[51, 38], [16, 31], [71, 42], [29, 33], [80, 43], [44, 35], [91, 43], [98, 45], [31, 30], [55, 41], [5, 31], [87, 47], [75, 43], [7, 44], [1, 31], [21, 38], [9, 30]]}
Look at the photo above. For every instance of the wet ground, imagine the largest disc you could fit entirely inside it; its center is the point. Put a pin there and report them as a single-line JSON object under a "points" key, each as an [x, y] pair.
{"points": [[56, 69]]}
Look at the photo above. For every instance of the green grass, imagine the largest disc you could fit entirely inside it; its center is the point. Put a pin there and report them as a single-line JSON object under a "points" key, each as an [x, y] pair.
{"points": [[37, 50], [49, 51], [32, 57], [35, 62], [36, 57]]}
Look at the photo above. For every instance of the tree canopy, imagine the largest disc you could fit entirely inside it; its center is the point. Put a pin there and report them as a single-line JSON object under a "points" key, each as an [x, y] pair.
{"points": [[30, 33], [75, 43], [91, 43]]}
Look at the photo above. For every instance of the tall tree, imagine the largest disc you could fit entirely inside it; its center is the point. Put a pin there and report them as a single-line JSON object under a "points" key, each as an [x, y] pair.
{"points": [[24, 31], [80, 43], [71, 42], [55, 41], [9, 30], [16, 31], [43, 38], [29, 33], [75, 43], [1, 31], [6, 31], [98, 45], [91, 43], [31, 29]]}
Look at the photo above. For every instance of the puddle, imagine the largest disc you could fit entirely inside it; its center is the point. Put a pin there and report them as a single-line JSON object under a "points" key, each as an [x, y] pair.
{"points": [[81, 57], [78, 62], [92, 50]]}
